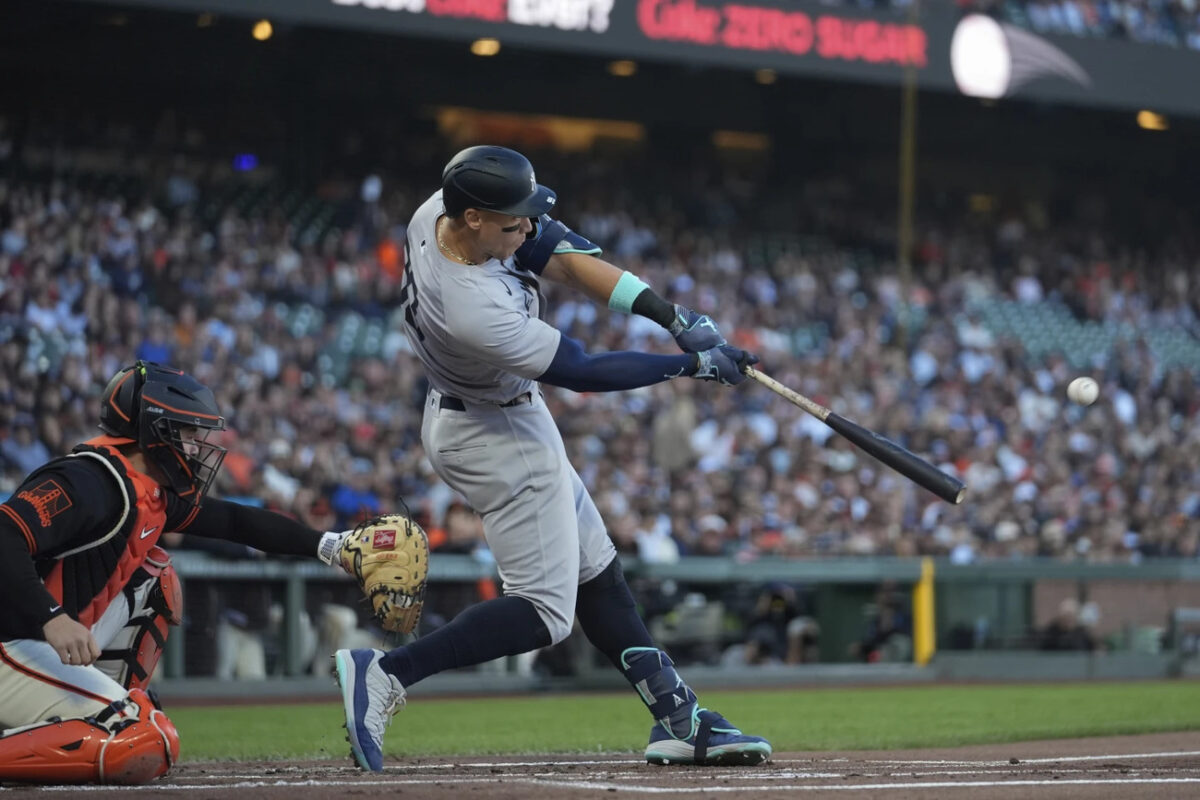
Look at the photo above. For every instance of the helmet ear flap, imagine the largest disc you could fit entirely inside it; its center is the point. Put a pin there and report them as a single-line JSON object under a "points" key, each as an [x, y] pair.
{"points": [[119, 410]]}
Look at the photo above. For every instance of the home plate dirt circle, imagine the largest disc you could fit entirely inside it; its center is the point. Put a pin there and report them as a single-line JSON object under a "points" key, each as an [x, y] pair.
{"points": [[1155, 766]]}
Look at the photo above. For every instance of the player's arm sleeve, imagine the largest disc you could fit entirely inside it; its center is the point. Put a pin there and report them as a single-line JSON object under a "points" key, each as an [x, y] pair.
{"points": [[71, 501], [578, 371], [21, 590], [259, 528], [550, 238]]}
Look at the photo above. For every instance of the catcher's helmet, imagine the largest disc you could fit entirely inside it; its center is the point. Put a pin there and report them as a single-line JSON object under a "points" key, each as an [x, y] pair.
{"points": [[154, 406], [495, 179]]}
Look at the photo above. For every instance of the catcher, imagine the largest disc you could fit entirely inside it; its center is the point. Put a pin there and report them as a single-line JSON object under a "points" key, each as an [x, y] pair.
{"points": [[89, 595]]}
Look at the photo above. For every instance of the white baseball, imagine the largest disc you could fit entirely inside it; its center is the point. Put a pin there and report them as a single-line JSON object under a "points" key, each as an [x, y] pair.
{"points": [[1083, 391]]}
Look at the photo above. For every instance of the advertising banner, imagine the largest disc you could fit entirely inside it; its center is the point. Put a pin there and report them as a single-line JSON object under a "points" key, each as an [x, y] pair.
{"points": [[973, 54]]}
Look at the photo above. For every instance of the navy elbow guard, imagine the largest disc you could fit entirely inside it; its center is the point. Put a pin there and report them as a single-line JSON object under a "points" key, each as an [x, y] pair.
{"points": [[550, 237]]}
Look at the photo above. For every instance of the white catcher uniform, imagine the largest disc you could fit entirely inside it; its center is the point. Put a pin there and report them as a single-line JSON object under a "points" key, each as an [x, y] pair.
{"points": [[38, 686], [486, 428]]}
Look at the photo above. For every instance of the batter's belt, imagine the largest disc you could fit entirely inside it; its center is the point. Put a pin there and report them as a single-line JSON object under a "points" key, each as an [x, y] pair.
{"points": [[448, 403]]}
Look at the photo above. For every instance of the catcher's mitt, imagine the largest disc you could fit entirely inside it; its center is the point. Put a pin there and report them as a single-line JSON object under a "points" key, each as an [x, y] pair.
{"points": [[389, 555]]}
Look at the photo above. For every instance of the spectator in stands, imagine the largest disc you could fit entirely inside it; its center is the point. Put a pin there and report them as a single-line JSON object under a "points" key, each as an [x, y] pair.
{"points": [[1066, 631], [1170, 22], [355, 499], [888, 632], [948, 367], [22, 451], [778, 632]]}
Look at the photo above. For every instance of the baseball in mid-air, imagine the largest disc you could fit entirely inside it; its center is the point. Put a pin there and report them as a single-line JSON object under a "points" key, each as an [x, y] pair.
{"points": [[1083, 391]]}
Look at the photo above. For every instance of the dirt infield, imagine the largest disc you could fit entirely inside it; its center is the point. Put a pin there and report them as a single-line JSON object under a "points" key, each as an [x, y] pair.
{"points": [[1158, 766]]}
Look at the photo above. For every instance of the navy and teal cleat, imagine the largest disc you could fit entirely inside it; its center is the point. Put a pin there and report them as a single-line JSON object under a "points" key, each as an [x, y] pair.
{"points": [[714, 743], [370, 697]]}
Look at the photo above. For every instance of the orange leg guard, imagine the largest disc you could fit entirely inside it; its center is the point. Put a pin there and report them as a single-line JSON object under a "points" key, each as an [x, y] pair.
{"points": [[130, 742]]}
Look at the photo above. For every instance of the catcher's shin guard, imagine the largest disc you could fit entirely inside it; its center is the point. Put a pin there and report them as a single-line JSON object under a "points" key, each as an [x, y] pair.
{"points": [[129, 742], [133, 654]]}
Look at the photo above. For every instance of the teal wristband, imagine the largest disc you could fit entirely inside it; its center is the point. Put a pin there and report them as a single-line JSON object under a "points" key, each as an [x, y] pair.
{"points": [[626, 291]]}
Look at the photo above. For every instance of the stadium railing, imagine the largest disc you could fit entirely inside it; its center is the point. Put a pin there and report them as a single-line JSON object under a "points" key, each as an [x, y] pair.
{"points": [[992, 608]]}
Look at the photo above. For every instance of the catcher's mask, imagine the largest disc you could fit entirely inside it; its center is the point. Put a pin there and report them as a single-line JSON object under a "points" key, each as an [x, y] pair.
{"points": [[170, 415]]}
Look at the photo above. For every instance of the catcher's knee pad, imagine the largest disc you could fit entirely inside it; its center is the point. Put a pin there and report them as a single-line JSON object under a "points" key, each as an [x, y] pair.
{"points": [[133, 654], [130, 742]]}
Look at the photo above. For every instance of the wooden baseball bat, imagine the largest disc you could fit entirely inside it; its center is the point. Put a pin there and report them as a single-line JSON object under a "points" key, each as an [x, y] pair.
{"points": [[917, 469]]}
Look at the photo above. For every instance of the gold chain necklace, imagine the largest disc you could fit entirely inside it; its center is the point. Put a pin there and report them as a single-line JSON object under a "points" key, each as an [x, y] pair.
{"points": [[442, 244]]}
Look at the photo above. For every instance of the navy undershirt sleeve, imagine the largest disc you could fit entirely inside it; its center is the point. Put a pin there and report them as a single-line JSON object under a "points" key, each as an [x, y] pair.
{"points": [[578, 371]]}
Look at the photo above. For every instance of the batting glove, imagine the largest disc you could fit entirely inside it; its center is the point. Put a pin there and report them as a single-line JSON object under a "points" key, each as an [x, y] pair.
{"points": [[694, 332], [724, 364]]}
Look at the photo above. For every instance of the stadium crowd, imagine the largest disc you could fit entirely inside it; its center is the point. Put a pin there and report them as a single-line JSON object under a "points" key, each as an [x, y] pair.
{"points": [[258, 309], [1168, 22]]}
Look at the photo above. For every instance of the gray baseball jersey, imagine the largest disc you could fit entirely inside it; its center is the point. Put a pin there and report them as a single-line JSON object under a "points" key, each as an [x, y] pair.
{"points": [[477, 332], [475, 328]]}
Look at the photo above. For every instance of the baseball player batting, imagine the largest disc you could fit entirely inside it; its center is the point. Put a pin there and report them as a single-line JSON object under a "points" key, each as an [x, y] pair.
{"points": [[476, 251], [88, 594]]}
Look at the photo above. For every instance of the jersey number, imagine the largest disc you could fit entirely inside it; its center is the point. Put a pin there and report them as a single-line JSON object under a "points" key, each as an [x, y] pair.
{"points": [[408, 294]]}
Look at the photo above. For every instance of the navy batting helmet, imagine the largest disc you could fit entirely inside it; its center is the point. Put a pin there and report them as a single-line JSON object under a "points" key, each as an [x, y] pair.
{"points": [[155, 406], [495, 179]]}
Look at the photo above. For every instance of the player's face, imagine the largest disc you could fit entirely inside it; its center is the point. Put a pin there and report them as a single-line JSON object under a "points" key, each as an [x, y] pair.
{"points": [[189, 436], [501, 234]]}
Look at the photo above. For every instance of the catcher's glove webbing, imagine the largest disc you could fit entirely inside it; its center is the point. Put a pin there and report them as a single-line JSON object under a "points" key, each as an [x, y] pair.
{"points": [[389, 555]]}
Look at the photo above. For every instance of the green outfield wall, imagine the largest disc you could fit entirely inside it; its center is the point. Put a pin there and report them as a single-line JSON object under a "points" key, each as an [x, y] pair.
{"points": [[986, 619]]}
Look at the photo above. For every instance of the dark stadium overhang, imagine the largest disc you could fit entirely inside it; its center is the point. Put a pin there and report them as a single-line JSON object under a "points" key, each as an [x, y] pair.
{"points": [[977, 55]]}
